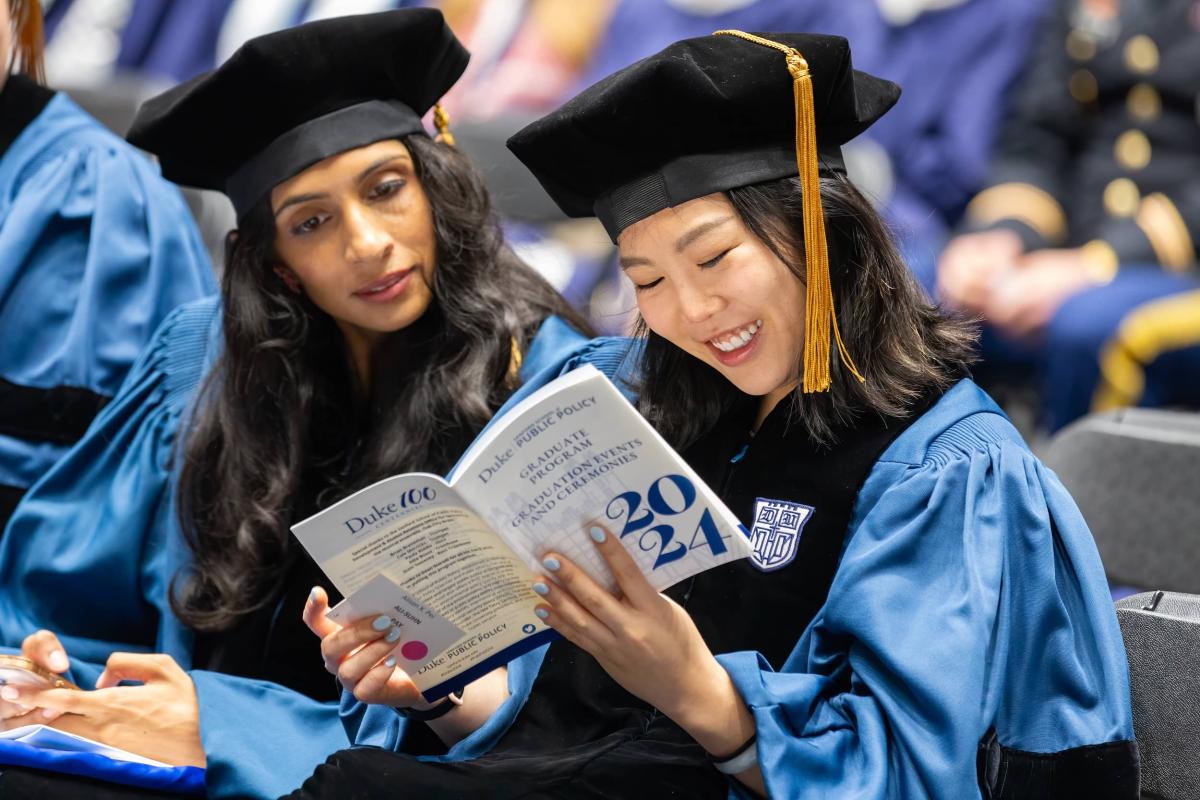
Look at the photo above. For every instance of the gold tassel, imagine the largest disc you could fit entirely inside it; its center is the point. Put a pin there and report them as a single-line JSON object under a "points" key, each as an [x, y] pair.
{"points": [[441, 121], [821, 317]]}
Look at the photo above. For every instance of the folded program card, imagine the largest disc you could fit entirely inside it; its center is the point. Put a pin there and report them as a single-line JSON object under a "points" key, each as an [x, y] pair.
{"points": [[467, 550], [53, 739], [424, 634]]}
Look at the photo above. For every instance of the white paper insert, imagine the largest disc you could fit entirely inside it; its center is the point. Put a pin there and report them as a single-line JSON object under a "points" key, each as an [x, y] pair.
{"points": [[53, 739], [424, 633]]}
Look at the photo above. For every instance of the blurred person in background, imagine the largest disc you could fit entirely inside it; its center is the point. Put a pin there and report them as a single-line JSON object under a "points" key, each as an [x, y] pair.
{"points": [[522, 50], [959, 61], [1081, 252], [525, 54], [93, 42], [95, 249]]}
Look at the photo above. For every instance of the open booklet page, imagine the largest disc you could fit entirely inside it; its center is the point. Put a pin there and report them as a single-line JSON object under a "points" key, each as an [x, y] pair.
{"points": [[410, 547], [453, 563], [576, 452]]}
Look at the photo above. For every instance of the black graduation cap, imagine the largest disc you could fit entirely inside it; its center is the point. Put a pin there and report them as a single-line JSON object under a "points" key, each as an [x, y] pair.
{"points": [[709, 114], [286, 100]]}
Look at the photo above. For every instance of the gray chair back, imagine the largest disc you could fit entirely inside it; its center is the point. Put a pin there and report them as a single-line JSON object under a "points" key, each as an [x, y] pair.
{"points": [[1135, 474], [1162, 641]]}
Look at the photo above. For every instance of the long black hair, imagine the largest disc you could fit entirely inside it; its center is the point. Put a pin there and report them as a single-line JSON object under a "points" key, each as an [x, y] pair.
{"points": [[279, 429], [904, 346]]}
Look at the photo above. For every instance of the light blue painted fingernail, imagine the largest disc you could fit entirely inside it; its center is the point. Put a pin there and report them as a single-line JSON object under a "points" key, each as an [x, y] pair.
{"points": [[381, 622], [391, 662], [541, 588], [312, 596], [393, 635], [541, 612], [597, 534], [551, 564]]}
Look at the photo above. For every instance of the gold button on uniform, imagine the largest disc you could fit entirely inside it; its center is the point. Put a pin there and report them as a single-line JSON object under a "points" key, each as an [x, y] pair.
{"points": [[1080, 46], [1141, 54], [1143, 102], [1083, 86], [1132, 150], [1121, 198]]}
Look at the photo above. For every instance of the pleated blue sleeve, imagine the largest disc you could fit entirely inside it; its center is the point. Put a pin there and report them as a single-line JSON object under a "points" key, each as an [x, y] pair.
{"points": [[970, 597], [90, 550], [98, 249], [556, 350]]}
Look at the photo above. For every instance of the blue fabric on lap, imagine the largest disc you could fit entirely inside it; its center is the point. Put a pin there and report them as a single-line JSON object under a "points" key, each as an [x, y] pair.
{"points": [[182, 780]]}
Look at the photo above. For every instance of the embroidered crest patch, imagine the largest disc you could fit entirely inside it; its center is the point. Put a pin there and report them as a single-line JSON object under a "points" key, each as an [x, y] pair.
{"points": [[776, 532]]}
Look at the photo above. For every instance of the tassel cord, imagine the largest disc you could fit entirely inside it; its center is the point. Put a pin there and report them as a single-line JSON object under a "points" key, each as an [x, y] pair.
{"points": [[820, 316]]}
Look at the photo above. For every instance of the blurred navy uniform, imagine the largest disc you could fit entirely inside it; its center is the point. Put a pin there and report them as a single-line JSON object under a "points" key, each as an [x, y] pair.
{"points": [[1102, 152]]}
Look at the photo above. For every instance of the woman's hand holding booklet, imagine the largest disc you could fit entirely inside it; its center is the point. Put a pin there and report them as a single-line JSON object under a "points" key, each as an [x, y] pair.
{"points": [[452, 562]]}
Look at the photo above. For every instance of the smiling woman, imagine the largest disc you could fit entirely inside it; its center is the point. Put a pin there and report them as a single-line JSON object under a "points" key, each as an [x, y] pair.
{"points": [[925, 614], [902, 346], [739, 305]]}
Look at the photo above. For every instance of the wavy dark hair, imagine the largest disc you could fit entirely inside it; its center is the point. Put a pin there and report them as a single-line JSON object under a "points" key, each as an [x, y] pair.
{"points": [[279, 430], [904, 346]]}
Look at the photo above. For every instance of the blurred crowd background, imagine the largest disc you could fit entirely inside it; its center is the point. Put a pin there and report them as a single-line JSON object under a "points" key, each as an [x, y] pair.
{"points": [[1041, 171]]}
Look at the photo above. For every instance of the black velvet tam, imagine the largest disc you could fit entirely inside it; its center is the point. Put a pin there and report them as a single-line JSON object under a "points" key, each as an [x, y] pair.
{"points": [[286, 100], [701, 116]]}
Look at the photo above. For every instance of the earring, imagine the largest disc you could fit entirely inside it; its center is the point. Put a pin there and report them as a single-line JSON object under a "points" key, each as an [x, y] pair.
{"points": [[289, 279], [441, 121]]}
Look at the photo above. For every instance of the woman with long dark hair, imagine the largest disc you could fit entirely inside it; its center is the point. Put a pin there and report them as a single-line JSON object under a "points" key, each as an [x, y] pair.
{"points": [[924, 615], [372, 319]]}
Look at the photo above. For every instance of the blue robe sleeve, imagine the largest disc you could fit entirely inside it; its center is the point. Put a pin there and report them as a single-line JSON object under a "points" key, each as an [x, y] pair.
{"points": [[970, 597], [98, 249], [260, 739], [91, 549], [556, 350]]}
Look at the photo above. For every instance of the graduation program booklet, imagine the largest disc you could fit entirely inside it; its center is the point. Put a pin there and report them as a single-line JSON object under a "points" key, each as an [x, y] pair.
{"points": [[452, 561]]}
